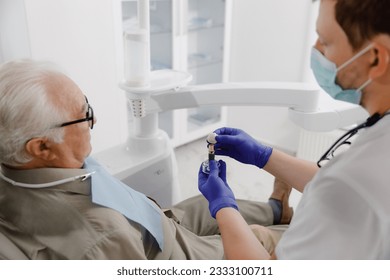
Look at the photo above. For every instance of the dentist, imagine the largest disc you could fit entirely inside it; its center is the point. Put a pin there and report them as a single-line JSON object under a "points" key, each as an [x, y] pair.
{"points": [[344, 209]]}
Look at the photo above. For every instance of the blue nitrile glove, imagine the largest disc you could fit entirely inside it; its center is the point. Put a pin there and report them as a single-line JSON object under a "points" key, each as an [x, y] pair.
{"points": [[215, 188], [237, 144]]}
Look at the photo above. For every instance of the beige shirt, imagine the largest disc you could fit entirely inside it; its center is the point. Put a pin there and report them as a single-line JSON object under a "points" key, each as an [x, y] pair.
{"points": [[61, 222]]}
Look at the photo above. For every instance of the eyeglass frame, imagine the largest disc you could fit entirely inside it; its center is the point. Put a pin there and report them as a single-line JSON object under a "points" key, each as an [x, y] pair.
{"points": [[88, 118]]}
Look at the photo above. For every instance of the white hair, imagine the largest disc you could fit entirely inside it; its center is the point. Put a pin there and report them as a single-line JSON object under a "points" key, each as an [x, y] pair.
{"points": [[26, 109]]}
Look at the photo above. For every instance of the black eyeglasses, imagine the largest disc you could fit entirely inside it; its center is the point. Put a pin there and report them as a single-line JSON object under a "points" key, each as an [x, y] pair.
{"points": [[345, 139], [88, 118]]}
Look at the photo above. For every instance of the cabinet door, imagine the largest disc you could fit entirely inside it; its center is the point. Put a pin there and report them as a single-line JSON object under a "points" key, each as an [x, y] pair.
{"points": [[206, 58]]}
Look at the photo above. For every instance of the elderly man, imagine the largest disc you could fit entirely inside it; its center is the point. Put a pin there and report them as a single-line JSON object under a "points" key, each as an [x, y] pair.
{"points": [[58, 203], [344, 210]]}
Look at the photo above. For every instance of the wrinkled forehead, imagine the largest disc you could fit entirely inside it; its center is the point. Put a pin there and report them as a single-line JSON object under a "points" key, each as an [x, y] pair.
{"points": [[64, 92]]}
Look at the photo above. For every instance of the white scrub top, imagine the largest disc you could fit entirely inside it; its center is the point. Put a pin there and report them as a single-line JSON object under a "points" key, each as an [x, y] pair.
{"points": [[344, 212]]}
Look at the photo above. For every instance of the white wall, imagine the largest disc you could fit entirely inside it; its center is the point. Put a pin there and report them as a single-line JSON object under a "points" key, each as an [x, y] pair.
{"points": [[14, 40], [78, 36], [269, 43]]}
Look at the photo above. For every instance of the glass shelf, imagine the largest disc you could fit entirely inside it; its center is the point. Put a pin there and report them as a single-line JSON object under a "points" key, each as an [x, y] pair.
{"points": [[203, 62], [200, 28], [204, 117]]}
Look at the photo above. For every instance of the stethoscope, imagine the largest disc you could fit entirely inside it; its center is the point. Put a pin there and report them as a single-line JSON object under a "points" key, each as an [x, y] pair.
{"points": [[344, 139]]}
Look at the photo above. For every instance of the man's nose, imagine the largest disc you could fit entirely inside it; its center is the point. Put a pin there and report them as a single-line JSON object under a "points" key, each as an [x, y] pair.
{"points": [[318, 46]]}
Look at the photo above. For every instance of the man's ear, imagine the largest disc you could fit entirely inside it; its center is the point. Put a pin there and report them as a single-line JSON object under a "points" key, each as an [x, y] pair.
{"points": [[39, 148], [380, 61]]}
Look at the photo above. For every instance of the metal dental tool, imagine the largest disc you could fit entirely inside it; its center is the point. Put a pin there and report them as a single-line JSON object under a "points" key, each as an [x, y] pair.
{"points": [[211, 140], [211, 156]]}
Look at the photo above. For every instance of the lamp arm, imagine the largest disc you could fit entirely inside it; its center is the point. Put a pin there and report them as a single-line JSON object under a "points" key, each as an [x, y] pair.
{"points": [[299, 96], [309, 107]]}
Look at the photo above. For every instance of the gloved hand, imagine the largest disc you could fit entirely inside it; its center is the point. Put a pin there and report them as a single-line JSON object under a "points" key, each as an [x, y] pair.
{"points": [[215, 188], [237, 144]]}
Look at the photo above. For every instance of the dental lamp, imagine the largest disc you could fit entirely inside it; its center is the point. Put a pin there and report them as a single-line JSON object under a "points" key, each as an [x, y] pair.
{"points": [[146, 161]]}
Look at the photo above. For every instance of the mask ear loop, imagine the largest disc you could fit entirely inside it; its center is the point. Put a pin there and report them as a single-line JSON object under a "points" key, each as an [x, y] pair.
{"points": [[364, 85], [359, 54], [374, 63]]}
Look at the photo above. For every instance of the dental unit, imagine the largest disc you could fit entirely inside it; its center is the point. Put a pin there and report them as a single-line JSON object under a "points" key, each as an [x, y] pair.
{"points": [[146, 161]]}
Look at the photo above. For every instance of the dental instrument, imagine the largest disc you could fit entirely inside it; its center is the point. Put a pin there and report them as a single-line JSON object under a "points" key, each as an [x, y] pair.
{"points": [[211, 154], [211, 142]]}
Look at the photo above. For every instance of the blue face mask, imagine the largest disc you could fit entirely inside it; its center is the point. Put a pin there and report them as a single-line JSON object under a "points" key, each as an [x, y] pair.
{"points": [[325, 72]]}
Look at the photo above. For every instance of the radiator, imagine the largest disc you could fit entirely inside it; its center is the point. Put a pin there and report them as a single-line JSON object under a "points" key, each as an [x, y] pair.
{"points": [[312, 145]]}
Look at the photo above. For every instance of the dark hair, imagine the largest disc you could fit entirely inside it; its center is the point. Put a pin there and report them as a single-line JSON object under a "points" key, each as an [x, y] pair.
{"points": [[363, 19]]}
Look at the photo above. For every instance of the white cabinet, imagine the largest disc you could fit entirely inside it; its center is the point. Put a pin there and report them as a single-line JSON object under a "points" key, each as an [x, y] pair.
{"points": [[191, 36]]}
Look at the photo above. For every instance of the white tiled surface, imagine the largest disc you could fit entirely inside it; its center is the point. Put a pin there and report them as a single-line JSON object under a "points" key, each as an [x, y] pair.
{"points": [[247, 182]]}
